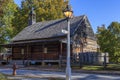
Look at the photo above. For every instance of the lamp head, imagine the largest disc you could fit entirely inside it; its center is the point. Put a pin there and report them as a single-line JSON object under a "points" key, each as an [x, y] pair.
{"points": [[68, 12]]}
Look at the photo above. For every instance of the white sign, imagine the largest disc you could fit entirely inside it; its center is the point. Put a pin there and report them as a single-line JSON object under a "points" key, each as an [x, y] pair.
{"points": [[64, 31]]}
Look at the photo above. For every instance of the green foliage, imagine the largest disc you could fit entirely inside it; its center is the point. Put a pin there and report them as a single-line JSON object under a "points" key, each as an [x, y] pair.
{"points": [[45, 10], [109, 40], [6, 28], [7, 9]]}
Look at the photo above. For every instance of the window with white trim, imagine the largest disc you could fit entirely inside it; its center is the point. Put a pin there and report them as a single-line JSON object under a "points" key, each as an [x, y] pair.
{"points": [[45, 50]]}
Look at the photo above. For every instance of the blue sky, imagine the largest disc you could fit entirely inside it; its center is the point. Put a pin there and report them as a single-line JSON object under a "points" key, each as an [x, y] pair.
{"points": [[98, 11]]}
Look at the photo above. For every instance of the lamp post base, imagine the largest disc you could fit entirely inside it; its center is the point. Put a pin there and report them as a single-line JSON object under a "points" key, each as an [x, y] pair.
{"points": [[68, 73]]}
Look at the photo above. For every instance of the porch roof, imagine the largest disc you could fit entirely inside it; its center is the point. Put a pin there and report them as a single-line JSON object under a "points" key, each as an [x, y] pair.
{"points": [[22, 43]]}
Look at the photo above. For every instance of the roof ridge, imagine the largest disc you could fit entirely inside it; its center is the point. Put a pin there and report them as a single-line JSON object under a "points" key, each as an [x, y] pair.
{"points": [[50, 24], [58, 19], [51, 20]]}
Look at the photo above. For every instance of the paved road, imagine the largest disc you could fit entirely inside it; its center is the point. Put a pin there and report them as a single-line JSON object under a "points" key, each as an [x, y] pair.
{"points": [[36, 75]]}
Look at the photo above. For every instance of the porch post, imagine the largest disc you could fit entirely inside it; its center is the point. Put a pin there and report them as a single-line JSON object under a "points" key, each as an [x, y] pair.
{"points": [[43, 51], [12, 52], [31, 54], [61, 47], [43, 63], [27, 51], [60, 55]]}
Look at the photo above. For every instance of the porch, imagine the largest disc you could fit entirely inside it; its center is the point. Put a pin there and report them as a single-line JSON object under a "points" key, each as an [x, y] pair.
{"points": [[36, 56], [44, 52]]}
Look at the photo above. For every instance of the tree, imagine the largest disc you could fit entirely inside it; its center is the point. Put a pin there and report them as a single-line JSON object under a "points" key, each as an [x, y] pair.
{"points": [[7, 10], [109, 40], [8, 17], [45, 10], [114, 28]]}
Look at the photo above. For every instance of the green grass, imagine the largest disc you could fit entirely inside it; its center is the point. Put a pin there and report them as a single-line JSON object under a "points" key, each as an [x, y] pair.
{"points": [[114, 67], [2, 77], [88, 67]]}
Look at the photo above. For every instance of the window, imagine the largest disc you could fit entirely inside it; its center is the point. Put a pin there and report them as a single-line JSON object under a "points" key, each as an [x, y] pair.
{"points": [[45, 50], [22, 51]]}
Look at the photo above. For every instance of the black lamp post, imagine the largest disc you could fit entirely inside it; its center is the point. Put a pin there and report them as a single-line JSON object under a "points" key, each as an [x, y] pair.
{"points": [[68, 14]]}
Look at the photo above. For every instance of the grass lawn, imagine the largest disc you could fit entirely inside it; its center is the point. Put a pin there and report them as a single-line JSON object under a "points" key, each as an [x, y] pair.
{"points": [[11, 77], [55, 79], [88, 67], [2, 77], [114, 67]]}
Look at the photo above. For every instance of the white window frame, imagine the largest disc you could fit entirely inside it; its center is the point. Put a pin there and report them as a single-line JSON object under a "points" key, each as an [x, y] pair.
{"points": [[45, 50], [22, 51]]}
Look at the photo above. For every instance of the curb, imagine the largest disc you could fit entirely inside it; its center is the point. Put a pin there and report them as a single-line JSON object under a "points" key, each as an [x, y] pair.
{"points": [[74, 71], [81, 71]]}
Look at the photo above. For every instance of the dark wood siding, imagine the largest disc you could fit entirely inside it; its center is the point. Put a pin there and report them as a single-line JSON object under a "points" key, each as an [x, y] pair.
{"points": [[52, 51], [36, 51], [17, 53]]}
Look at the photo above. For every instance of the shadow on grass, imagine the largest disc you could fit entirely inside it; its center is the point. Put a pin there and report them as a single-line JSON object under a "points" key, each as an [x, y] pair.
{"points": [[55, 79], [114, 67]]}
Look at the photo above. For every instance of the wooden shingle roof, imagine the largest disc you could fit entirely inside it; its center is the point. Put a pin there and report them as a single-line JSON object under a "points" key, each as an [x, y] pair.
{"points": [[50, 29]]}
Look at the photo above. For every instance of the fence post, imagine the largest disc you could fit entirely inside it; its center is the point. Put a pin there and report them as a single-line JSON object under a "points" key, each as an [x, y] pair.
{"points": [[104, 63], [80, 60]]}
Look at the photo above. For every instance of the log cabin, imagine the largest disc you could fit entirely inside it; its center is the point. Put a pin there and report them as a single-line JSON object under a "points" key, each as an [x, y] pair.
{"points": [[45, 41]]}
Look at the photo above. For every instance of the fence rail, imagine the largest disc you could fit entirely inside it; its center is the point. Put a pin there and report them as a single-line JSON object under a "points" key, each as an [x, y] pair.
{"points": [[89, 58]]}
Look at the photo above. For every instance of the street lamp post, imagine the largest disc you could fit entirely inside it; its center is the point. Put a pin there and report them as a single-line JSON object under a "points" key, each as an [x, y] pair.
{"points": [[68, 14]]}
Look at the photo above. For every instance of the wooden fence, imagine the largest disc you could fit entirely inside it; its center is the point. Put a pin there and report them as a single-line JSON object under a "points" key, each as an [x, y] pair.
{"points": [[87, 58]]}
